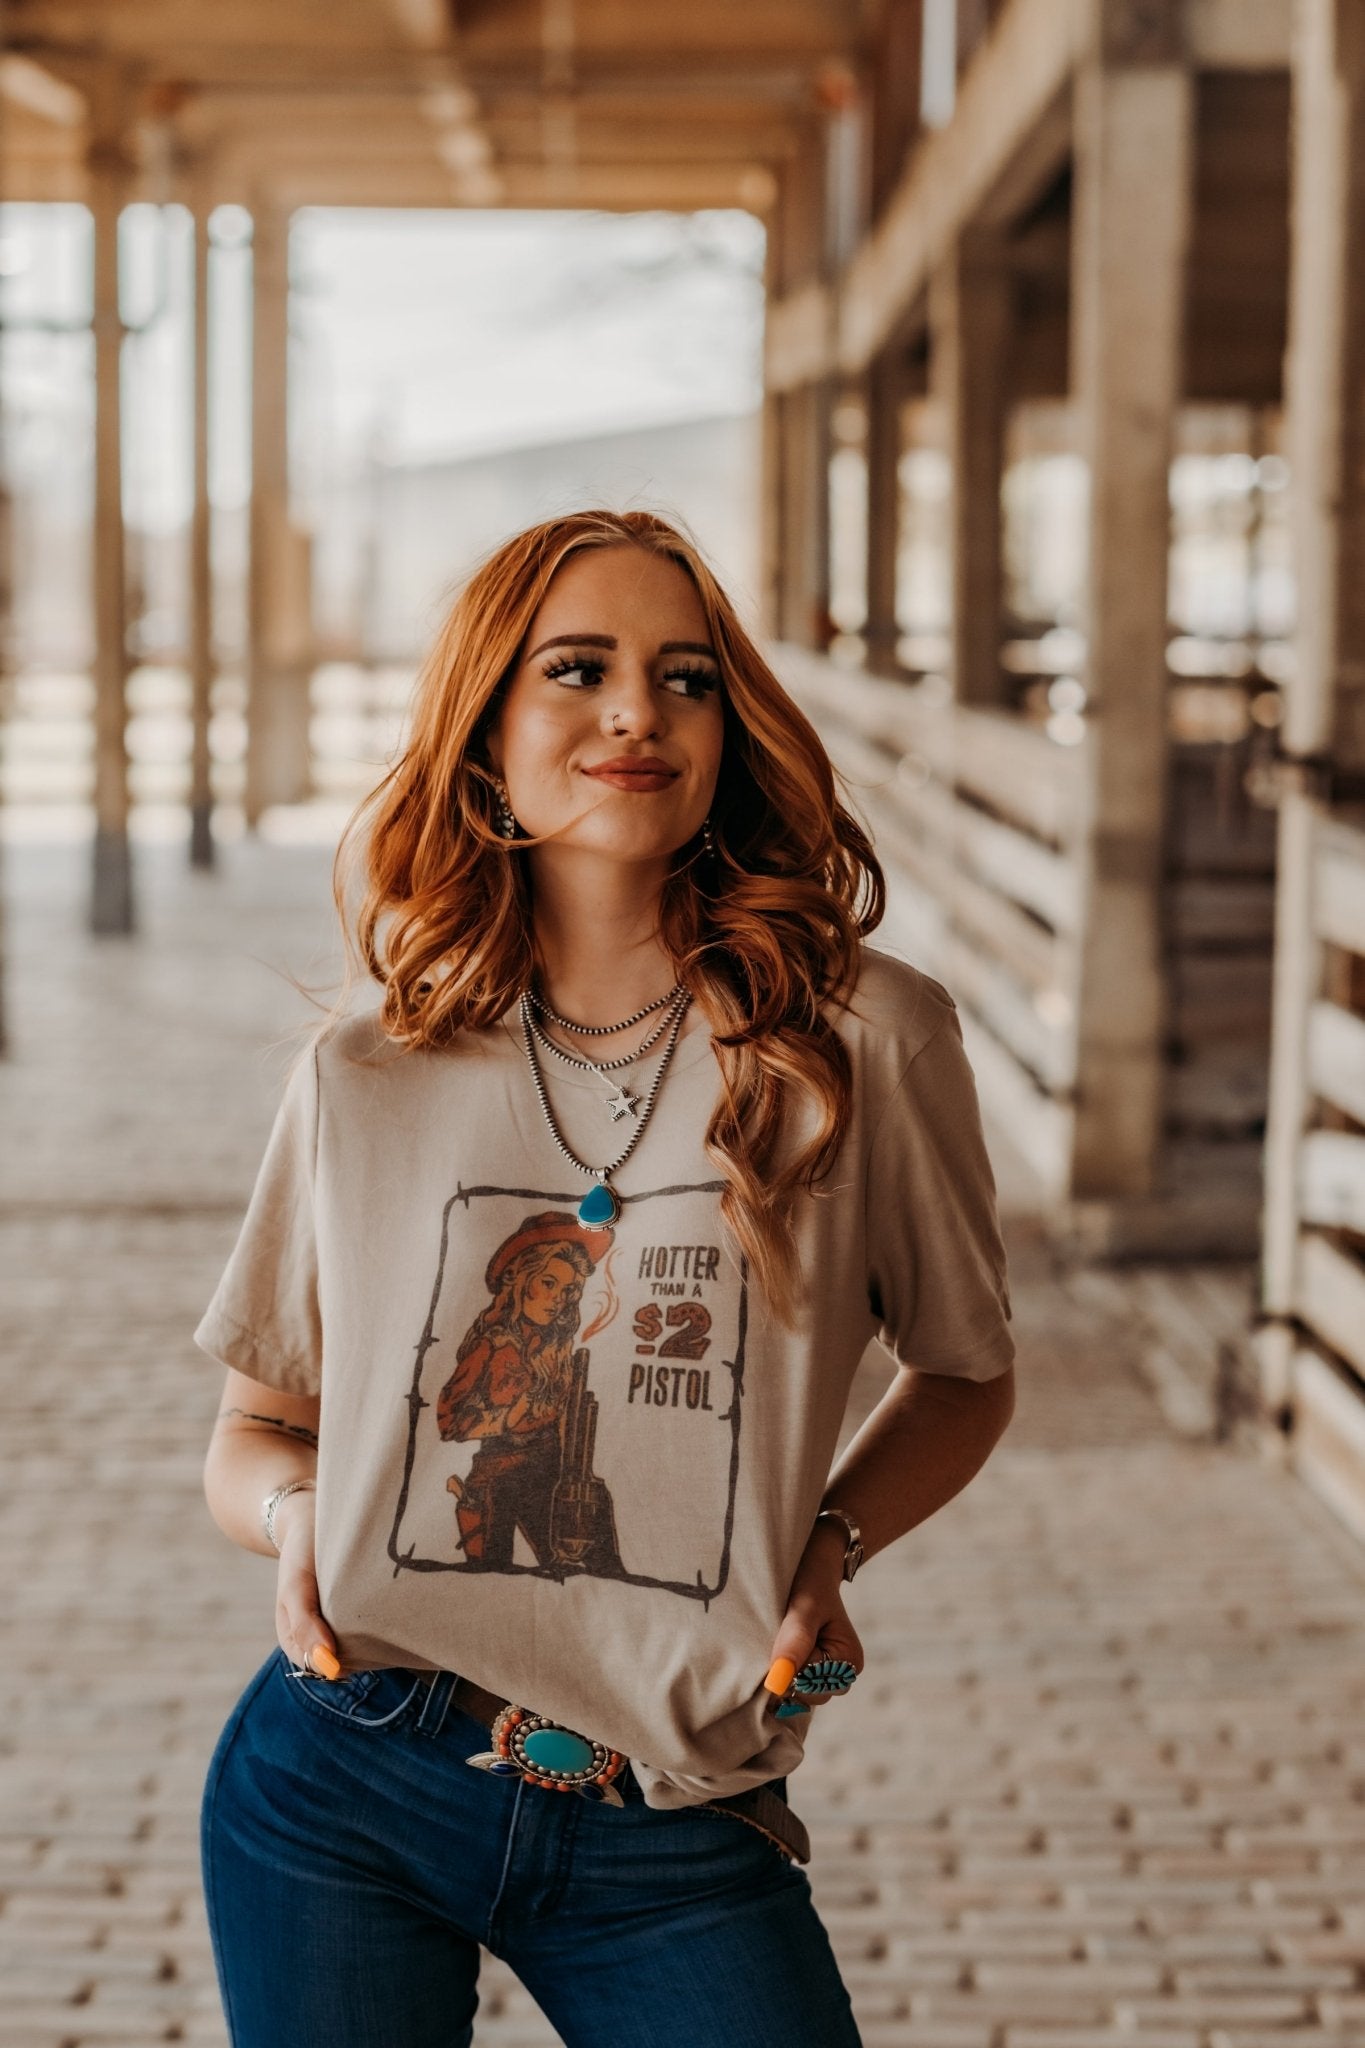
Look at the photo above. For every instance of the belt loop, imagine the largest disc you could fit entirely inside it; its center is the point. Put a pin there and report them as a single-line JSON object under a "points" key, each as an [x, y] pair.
{"points": [[432, 1717]]}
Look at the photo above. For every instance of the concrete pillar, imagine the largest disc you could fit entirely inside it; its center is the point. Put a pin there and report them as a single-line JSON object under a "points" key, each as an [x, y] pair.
{"points": [[278, 660], [970, 315], [201, 573], [1129, 237], [110, 172]]}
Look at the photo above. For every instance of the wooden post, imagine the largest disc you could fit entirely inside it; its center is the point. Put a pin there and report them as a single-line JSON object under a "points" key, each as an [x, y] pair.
{"points": [[771, 539], [1323, 730], [802, 416], [970, 312], [770, 597], [201, 568], [7, 661], [1130, 229], [277, 763], [804, 617], [896, 87], [884, 390], [110, 170]]}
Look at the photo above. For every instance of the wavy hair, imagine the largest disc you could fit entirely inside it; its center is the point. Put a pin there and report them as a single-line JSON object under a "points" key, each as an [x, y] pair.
{"points": [[765, 931]]}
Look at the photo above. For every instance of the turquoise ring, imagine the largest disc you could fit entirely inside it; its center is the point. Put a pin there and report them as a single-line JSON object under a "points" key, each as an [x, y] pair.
{"points": [[825, 1674]]}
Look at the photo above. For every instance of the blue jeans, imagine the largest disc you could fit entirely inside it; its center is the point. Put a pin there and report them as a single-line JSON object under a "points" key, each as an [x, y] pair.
{"points": [[353, 1863]]}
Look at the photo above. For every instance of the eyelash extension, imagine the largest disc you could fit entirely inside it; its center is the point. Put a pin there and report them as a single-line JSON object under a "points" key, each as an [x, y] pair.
{"points": [[565, 665], [704, 679]]}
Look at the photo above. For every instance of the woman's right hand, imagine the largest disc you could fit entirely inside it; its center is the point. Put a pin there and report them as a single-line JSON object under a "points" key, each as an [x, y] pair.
{"points": [[303, 1635]]}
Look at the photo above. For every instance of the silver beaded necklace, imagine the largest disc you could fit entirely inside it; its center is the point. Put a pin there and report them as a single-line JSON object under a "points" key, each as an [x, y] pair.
{"points": [[601, 1204], [603, 1030], [621, 1101]]}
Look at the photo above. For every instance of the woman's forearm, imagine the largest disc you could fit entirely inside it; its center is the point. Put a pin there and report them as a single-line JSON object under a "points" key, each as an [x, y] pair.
{"points": [[247, 1461], [928, 1435]]}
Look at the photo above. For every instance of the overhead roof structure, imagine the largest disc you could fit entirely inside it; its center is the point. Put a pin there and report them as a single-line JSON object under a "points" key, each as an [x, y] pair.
{"points": [[598, 103]]}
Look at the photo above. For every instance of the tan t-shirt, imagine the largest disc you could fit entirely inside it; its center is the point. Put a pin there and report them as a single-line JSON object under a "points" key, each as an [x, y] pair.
{"points": [[579, 1465]]}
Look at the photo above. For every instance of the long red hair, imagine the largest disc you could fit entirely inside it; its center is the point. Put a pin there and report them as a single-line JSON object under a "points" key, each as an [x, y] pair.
{"points": [[765, 932]]}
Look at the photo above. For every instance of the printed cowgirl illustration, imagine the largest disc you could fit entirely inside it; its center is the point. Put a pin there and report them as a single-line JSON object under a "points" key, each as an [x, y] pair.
{"points": [[591, 1377], [521, 1391]]}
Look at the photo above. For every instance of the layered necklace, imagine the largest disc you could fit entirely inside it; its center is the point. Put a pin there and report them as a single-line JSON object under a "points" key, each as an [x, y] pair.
{"points": [[619, 1099], [602, 1204]]}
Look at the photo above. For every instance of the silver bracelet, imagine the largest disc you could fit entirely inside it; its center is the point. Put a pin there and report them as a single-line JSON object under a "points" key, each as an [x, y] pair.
{"points": [[272, 1501], [853, 1542]]}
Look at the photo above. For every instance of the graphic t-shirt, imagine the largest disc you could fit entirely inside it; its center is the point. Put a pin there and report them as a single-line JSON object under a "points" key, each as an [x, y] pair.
{"points": [[579, 1464]]}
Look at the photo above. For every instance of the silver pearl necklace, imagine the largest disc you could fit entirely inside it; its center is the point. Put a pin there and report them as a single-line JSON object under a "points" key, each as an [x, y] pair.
{"points": [[601, 1204], [604, 1030], [620, 1100]]}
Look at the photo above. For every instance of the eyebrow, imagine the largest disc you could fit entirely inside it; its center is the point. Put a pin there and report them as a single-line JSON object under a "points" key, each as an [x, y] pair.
{"points": [[608, 640]]}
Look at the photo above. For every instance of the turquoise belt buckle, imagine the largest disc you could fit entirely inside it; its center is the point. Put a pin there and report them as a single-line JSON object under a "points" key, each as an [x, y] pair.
{"points": [[544, 1752]]}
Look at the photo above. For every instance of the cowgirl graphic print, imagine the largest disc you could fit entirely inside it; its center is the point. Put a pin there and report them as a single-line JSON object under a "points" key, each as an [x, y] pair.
{"points": [[588, 1341], [579, 1464]]}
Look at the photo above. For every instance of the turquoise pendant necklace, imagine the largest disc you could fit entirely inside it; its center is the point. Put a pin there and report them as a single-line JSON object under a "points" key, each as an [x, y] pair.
{"points": [[601, 1204]]}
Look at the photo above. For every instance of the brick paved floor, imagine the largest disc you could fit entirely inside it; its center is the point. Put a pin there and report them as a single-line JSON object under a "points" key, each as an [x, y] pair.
{"points": [[1116, 1690]]}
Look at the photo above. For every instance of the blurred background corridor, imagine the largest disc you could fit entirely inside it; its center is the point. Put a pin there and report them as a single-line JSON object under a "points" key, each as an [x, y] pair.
{"points": [[1007, 359]]}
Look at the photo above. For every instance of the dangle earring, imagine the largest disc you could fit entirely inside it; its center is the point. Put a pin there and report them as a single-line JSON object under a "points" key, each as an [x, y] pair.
{"points": [[708, 837], [507, 824]]}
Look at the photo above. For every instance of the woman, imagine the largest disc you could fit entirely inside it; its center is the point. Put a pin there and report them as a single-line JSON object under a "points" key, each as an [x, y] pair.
{"points": [[641, 1147], [512, 1385]]}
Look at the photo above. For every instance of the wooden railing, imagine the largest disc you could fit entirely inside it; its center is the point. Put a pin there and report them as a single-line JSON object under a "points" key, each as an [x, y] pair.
{"points": [[1328, 1378], [975, 815]]}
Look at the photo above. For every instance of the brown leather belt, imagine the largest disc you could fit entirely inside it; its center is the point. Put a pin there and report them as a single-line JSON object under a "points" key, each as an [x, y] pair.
{"points": [[759, 1807]]}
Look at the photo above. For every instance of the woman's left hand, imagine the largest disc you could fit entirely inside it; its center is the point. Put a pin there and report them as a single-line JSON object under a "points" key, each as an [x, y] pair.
{"points": [[815, 1623]]}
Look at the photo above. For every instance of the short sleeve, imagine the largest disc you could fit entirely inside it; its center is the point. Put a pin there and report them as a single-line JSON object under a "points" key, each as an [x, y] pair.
{"points": [[264, 1319], [937, 1277]]}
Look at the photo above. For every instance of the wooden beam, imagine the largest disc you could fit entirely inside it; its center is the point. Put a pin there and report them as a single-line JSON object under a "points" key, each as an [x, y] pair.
{"points": [[109, 169], [27, 84], [1337, 1061], [1328, 1443], [170, 26], [1332, 1180], [994, 757], [1239, 35], [1331, 1297], [705, 29], [680, 188], [383, 125], [1006, 93], [1132, 202], [1337, 894], [1037, 163]]}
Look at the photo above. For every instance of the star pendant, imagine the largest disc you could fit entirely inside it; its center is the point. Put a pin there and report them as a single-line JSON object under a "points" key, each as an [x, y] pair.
{"points": [[622, 1103]]}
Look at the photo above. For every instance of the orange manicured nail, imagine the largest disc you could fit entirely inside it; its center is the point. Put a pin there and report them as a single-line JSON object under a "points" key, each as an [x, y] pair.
{"points": [[324, 1662], [781, 1672]]}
